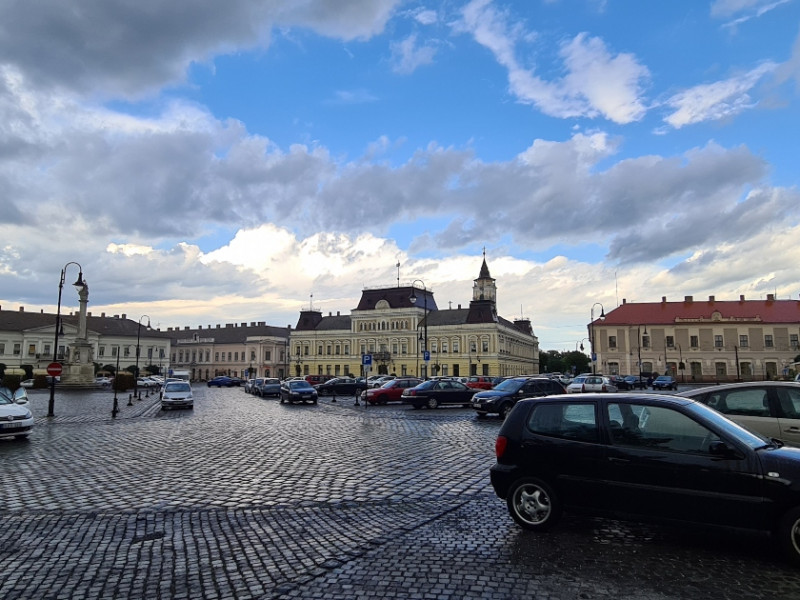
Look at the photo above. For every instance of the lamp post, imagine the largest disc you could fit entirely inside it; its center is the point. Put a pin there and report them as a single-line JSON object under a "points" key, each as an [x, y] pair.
{"points": [[79, 285], [138, 338], [115, 407], [591, 333], [639, 336], [413, 299]]}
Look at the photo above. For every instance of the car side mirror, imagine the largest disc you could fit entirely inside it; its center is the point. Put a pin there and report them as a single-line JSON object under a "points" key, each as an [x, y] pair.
{"points": [[21, 396], [722, 450]]}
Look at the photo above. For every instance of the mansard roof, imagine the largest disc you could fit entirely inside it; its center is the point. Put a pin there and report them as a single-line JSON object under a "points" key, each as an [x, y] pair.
{"points": [[397, 297]]}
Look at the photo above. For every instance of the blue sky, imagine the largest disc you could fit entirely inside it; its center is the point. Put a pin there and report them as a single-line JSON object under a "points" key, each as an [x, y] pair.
{"points": [[220, 163]]}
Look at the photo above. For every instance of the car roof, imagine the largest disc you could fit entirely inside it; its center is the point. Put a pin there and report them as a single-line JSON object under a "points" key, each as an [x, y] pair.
{"points": [[739, 385], [626, 396]]}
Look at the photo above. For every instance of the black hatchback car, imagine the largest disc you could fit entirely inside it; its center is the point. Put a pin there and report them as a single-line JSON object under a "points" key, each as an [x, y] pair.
{"points": [[644, 456], [502, 398]]}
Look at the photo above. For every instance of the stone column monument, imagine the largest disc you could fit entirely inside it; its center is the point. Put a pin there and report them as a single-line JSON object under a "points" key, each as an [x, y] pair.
{"points": [[79, 368]]}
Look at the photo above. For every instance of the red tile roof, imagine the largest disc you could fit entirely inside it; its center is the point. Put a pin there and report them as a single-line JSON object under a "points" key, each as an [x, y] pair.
{"points": [[755, 311]]}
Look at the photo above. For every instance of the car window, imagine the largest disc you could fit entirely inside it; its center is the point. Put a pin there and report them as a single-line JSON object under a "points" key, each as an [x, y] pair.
{"points": [[750, 402], [789, 400], [659, 428], [575, 421]]}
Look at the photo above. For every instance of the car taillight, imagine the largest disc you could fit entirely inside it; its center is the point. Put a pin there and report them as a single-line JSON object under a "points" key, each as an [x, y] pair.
{"points": [[583, 387], [500, 445], [605, 389]]}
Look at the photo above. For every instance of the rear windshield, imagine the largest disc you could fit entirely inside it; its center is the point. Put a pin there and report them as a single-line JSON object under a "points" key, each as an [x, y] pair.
{"points": [[178, 386]]}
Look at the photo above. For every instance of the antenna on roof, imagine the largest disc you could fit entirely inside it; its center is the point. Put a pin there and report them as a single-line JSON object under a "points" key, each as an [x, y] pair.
{"points": [[398, 273]]}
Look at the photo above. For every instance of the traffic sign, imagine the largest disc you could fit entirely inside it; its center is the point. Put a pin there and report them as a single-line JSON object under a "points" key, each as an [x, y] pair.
{"points": [[366, 360], [426, 355], [54, 369]]}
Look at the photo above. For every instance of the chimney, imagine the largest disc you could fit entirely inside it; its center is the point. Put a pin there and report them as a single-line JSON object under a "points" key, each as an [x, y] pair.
{"points": [[741, 298], [688, 298], [337, 314], [663, 299], [21, 309], [103, 315], [244, 324], [624, 301], [770, 297], [124, 316], [711, 298]]}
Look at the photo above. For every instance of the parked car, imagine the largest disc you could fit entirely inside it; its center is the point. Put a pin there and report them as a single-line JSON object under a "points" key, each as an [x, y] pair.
{"points": [[505, 395], [637, 456], [177, 394], [220, 381], [665, 382], [317, 379], [16, 419], [771, 408], [635, 382], [248, 385], [103, 381], [620, 383], [27, 384], [435, 392], [591, 383], [269, 386], [341, 386], [298, 390], [480, 382], [391, 391], [379, 381], [145, 382]]}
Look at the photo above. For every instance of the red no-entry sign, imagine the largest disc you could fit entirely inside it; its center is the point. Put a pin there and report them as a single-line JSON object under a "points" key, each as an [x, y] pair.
{"points": [[54, 369]]}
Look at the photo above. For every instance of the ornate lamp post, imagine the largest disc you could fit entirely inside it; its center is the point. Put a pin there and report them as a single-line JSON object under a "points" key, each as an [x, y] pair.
{"points": [[413, 299], [591, 333], [79, 285], [138, 337], [639, 335]]}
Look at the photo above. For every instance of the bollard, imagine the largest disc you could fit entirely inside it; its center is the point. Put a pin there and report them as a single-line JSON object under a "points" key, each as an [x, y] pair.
{"points": [[115, 410], [357, 395], [334, 395], [130, 399]]}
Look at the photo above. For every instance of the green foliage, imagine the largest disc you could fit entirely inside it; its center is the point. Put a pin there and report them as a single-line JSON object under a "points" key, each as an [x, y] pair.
{"points": [[110, 369], [123, 381], [554, 361], [28, 371], [133, 369]]}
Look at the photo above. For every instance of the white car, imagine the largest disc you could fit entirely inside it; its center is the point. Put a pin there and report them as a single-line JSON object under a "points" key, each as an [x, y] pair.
{"points": [[591, 383], [16, 419], [27, 384], [177, 394], [102, 381]]}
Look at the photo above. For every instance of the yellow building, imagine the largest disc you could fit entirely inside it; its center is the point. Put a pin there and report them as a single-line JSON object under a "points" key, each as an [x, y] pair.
{"points": [[399, 327]]}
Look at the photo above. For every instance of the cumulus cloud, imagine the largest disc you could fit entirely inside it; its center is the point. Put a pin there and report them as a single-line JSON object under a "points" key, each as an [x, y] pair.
{"points": [[408, 55], [597, 83]]}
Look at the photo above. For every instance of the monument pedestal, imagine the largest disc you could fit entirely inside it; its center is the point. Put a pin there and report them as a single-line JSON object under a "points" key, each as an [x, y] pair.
{"points": [[78, 371]]}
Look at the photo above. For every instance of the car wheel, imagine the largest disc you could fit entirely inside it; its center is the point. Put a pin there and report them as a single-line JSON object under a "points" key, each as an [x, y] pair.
{"points": [[788, 534], [505, 409], [533, 504], [432, 403], [383, 399], [314, 401]]}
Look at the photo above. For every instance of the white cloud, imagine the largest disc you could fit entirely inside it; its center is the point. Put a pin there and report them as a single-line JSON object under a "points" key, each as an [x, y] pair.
{"points": [[407, 55], [597, 83], [718, 100]]}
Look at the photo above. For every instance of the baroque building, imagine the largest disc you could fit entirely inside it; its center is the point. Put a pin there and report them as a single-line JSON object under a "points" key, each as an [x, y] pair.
{"points": [[699, 341], [405, 333]]}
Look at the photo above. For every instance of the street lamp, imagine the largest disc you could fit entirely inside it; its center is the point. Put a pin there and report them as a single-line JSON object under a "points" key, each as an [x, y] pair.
{"points": [[639, 336], [591, 332], [79, 285], [413, 299], [138, 337]]}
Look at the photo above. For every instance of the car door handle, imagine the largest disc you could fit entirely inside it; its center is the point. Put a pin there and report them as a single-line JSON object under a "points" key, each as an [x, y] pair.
{"points": [[618, 460], [794, 429]]}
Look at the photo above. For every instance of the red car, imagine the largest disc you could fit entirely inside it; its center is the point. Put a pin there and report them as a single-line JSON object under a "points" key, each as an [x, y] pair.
{"points": [[391, 391], [480, 382]]}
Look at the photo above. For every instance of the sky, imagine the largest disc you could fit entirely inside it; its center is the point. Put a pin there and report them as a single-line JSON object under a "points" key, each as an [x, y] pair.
{"points": [[207, 163]]}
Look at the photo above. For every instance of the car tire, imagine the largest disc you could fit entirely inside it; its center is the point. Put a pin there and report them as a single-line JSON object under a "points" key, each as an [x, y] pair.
{"points": [[432, 403], [383, 399], [533, 504], [505, 408], [788, 534], [314, 401]]}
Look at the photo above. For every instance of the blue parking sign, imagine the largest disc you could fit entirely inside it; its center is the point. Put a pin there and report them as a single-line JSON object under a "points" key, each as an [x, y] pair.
{"points": [[366, 360], [426, 355]]}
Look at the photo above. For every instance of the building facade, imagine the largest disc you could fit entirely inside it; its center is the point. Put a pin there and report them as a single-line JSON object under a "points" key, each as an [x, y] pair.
{"points": [[27, 338], [235, 350], [398, 327], [699, 341]]}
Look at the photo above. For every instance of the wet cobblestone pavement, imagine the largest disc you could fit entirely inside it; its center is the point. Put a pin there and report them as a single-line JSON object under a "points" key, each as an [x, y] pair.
{"points": [[246, 498]]}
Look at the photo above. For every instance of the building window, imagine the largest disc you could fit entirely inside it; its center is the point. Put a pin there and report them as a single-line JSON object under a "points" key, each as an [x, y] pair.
{"points": [[223, 357], [721, 368], [612, 343], [328, 350], [693, 341], [338, 349], [742, 341], [613, 368], [252, 354], [236, 356], [101, 351], [645, 341], [403, 348], [718, 343], [363, 349], [768, 341], [793, 341], [114, 350], [2, 348], [31, 349], [455, 347], [216, 356], [347, 350], [444, 347], [17, 349], [670, 341], [268, 355], [126, 352], [473, 347], [319, 352], [229, 357], [46, 350], [485, 346]]}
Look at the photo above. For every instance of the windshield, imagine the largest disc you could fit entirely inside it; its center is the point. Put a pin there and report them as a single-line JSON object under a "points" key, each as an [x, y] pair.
{"points": [[752, 439], [509, 385], [296, 385], [178, 387]]}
